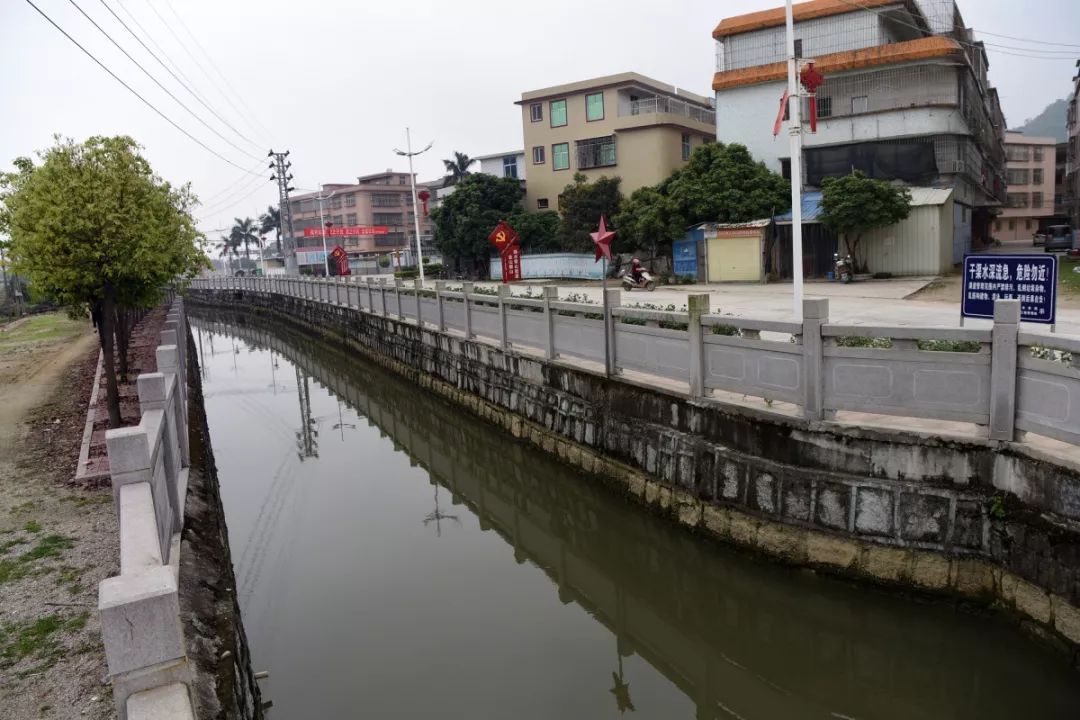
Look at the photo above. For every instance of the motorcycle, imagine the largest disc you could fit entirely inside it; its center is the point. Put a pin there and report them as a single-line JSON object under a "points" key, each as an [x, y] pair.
{"points": [[646, 282], [844, 268]]}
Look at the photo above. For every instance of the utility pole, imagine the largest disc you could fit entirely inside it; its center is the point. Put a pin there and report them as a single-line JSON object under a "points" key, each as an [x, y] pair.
{"points": [[416, 210], [281, 168], [322, 225], [795, 129]]}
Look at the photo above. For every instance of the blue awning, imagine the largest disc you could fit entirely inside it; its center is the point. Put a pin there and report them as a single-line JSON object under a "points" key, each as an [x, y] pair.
{"points": [[811, 209]]}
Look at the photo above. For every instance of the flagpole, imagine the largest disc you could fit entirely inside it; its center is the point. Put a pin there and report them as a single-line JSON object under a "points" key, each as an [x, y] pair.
{"points": [[795, 129], [607, 321]]}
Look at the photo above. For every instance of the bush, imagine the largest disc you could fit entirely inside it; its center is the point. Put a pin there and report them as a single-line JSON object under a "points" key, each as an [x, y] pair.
{"points": [[384, 262]]}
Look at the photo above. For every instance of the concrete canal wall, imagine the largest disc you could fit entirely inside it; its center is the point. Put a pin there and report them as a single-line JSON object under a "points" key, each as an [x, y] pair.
{"points": [[988, 520], [170, 623]]}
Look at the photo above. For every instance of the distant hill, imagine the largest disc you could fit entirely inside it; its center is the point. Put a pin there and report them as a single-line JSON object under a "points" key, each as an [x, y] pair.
{"points": [[1049, 123]]}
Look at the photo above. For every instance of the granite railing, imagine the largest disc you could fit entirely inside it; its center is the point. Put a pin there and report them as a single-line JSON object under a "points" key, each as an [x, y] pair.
{"points": [[140, 607], [1000, 379]]}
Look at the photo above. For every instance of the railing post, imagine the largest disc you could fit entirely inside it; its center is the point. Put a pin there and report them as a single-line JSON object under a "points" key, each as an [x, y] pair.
{"points": [[697, 305], [417, 287], [398, 282], [466, 290], [551, 294], [440, 288], [503, 295], [1003, 370], [337, 289], [370, 296], [382, 295], [613, 297], [815, 314]]}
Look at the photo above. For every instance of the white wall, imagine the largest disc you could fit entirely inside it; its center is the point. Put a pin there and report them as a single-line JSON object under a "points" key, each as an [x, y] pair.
{"points": [[554, 265], [494, 166]]}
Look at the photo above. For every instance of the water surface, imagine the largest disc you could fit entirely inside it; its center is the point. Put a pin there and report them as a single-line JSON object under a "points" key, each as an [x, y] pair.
{"points": [[397, 558]]}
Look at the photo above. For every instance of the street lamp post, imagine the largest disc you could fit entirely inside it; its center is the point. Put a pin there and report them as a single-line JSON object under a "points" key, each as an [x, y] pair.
{"points": [[322, 225], [416, 213], [795, 129]]}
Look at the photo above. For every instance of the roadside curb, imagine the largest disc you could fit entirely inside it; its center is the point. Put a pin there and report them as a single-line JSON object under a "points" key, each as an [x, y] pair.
{"points": [[85, 472]]}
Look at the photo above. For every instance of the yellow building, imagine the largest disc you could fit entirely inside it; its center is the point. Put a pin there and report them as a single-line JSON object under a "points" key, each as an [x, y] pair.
{"points": [[625, 125]]}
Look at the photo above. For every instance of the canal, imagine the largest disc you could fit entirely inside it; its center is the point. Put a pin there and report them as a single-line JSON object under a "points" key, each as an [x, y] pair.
{"points": [[398, 558]]}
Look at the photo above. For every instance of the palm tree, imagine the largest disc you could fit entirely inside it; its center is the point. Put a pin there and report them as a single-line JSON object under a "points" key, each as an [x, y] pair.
{"points": [[244, 232], [271, 220], [227, 248], [457, 168]]}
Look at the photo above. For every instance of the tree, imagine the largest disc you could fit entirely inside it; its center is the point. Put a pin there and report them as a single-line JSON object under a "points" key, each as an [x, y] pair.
{"points": [[271, 220], [457, 168], [646, 221], [854, 204], [226, 247], [96, 229], [467, 216], [244, 233], [538, 230], [582, 203], [723, 184]]}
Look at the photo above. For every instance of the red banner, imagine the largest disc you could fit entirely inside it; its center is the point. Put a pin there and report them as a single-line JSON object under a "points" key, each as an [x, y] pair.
{"points": [[511, 264], [347, 231]]}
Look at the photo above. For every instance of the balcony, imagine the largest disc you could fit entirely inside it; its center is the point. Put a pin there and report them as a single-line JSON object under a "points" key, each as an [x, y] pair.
{"points": [[667, 106]]}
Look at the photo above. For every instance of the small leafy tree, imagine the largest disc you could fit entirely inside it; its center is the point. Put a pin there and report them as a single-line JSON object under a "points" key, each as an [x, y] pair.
{"points": [[538, 230], [95, 228], [468, 215], [854, 204], [581, 204], [646, 220]]}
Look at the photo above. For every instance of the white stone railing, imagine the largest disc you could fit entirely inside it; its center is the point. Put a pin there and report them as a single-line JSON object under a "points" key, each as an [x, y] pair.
{"points": [[998, 378], [140, 607]]}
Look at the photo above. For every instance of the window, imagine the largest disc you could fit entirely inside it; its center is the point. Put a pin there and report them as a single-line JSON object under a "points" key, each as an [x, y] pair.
{"points": [[336, 220], [687, 146], [1017, 177], [596, 152], [335, 203], [350, 200], [510, 168], [1017, 153], [538, 155], [997, 225], [560, 156], [1012, 224], [1036, 199], [824, 107], [1037, 176], [541, 203], [1017, 200], [859, 104], [1027, 224], [785, 169], [350, 219], [798, 47], [394, 239], [1038, 153], [385, 199], [594, 107], [386, 218], [558, 113], [536, 112]]}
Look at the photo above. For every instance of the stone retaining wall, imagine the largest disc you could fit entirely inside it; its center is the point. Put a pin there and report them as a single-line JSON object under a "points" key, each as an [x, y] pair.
{"points": [[892, 507]]}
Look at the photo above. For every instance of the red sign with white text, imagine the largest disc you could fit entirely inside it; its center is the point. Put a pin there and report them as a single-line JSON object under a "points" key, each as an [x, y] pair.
{"points": [[511, 264], [347, 231]]}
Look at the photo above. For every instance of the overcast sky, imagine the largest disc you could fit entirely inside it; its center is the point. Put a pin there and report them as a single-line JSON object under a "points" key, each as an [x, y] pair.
{"points": [[337, 81]]}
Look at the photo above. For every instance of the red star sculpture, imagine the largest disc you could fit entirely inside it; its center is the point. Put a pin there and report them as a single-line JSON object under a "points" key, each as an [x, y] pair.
{"points": [[602, 238]]}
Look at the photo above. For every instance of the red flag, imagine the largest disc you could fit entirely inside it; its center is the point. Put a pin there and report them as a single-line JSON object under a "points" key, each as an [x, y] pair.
{"points": [[780, 114], [503, 237]]}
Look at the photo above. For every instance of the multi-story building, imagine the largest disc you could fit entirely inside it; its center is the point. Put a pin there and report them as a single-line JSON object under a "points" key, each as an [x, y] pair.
{"points": [[905, 97], [379, 200], [1062, 199], [1029, 177], [508, 164], [1072, 161], [626, 125]]}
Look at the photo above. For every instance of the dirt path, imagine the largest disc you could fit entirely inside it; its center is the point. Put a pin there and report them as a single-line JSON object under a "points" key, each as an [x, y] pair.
{"points": [[56, 541]]}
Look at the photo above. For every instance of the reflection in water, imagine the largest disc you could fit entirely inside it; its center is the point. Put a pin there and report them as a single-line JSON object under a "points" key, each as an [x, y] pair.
{"points": [[358, 609]]}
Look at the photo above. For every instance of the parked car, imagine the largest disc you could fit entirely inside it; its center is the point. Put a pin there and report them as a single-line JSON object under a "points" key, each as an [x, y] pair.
{"points": [[1039, 239], [1058, 237]]}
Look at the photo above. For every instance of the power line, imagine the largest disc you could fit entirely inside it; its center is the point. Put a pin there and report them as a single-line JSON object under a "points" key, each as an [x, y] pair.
{"points": [[252, 114], [1028, 40], [229, 197], [228, 189], [184, 47], [158, 83], [146, 102], [229, 205], [150, 37], [169, 70]]}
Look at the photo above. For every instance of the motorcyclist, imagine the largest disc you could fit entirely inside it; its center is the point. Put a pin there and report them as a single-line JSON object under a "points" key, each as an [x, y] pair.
{"points": [[636, 271]]}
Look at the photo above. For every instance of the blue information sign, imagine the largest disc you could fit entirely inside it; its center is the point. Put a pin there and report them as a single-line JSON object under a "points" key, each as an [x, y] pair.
{"points": [[1031, 279]]}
